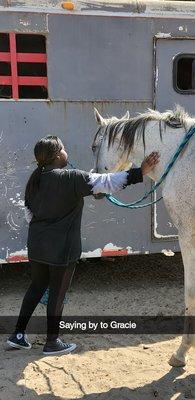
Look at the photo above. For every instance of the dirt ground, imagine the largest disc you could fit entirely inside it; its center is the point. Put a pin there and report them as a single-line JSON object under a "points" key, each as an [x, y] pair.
{"points": [[103, 367]]}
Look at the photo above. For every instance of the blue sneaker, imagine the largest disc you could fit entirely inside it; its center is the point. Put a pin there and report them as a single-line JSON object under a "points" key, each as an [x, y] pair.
{"points": [[58, 347], [19, 341]]}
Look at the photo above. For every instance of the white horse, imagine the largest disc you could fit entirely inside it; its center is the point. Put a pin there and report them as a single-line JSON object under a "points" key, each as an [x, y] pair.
{"points": [[121, 141]]}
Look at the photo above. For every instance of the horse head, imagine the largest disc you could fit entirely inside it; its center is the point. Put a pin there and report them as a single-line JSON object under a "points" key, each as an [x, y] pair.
{"points": [[108, 149]]}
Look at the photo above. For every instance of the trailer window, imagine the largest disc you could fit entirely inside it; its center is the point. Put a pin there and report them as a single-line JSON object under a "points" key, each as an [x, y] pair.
{"points": [[184, 73], [23, 66]]}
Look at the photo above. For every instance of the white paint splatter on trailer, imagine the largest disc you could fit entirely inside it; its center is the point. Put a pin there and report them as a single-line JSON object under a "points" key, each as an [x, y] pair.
{"points": [[163, 35]]}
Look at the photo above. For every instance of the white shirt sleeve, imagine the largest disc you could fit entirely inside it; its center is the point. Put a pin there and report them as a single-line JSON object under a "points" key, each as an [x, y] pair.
{"points": [[108, 183], [28, 214]]}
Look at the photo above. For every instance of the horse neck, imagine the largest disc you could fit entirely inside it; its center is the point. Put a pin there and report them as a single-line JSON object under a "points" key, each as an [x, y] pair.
{"points": [[171, 138]]}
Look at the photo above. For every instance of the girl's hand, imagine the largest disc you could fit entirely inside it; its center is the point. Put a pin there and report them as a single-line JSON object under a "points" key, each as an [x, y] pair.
{"points": [[150, 162]]}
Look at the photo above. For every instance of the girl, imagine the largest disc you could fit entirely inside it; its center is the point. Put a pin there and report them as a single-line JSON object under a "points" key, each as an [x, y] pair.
{"points": [[54, 203]]}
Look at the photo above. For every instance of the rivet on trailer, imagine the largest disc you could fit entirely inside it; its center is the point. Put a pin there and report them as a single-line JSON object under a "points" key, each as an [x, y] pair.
{"points": [[72, 56]]}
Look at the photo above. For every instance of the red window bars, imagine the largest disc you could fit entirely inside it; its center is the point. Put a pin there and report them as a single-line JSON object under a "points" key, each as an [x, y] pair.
{"points": [[13, 58]]}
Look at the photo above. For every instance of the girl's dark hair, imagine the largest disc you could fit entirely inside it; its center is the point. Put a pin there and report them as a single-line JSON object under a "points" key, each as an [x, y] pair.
{"points": [[45, 151]]}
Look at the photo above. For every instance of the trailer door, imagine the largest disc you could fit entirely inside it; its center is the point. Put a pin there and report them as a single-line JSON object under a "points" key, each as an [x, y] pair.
{"points": [[174, 84]]}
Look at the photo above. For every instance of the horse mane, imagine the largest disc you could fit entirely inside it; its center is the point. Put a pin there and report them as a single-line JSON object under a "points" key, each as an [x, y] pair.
{"points": [[135, 127]]}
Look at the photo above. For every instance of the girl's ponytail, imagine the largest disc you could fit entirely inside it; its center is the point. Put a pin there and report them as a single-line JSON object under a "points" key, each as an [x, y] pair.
{"points": [[32, 186], [45, 152]]}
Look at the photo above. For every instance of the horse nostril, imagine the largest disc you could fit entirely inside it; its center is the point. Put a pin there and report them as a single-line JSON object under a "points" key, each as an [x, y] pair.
{"points": [[106, 168]]}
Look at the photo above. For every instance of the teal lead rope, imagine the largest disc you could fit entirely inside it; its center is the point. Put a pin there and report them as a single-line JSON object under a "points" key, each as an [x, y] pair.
{"points": [[137, 204]]}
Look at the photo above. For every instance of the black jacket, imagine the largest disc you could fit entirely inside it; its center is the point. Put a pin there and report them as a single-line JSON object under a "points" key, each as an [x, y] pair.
{"points": [[54, 235]]}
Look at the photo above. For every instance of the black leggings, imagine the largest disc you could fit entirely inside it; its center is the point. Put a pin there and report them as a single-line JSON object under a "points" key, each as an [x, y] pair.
{"points": [[58, 279]]}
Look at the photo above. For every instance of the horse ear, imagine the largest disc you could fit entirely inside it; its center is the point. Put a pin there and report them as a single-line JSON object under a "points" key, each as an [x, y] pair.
{"points": [[98, 117], [126, 116]]}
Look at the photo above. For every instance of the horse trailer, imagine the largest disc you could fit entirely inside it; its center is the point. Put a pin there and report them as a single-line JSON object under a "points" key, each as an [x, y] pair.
{"points": [[59, 60]]}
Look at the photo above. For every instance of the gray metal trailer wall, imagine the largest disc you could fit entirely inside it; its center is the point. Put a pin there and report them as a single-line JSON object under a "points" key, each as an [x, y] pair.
{"points": [[92, 60]]}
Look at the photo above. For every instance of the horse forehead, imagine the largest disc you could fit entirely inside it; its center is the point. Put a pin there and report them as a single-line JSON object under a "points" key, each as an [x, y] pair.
{"points": [[97, 135]]}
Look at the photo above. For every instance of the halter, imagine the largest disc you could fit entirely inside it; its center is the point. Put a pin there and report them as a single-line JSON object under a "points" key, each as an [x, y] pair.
{"points": [[136, 204], [170, 165]]}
